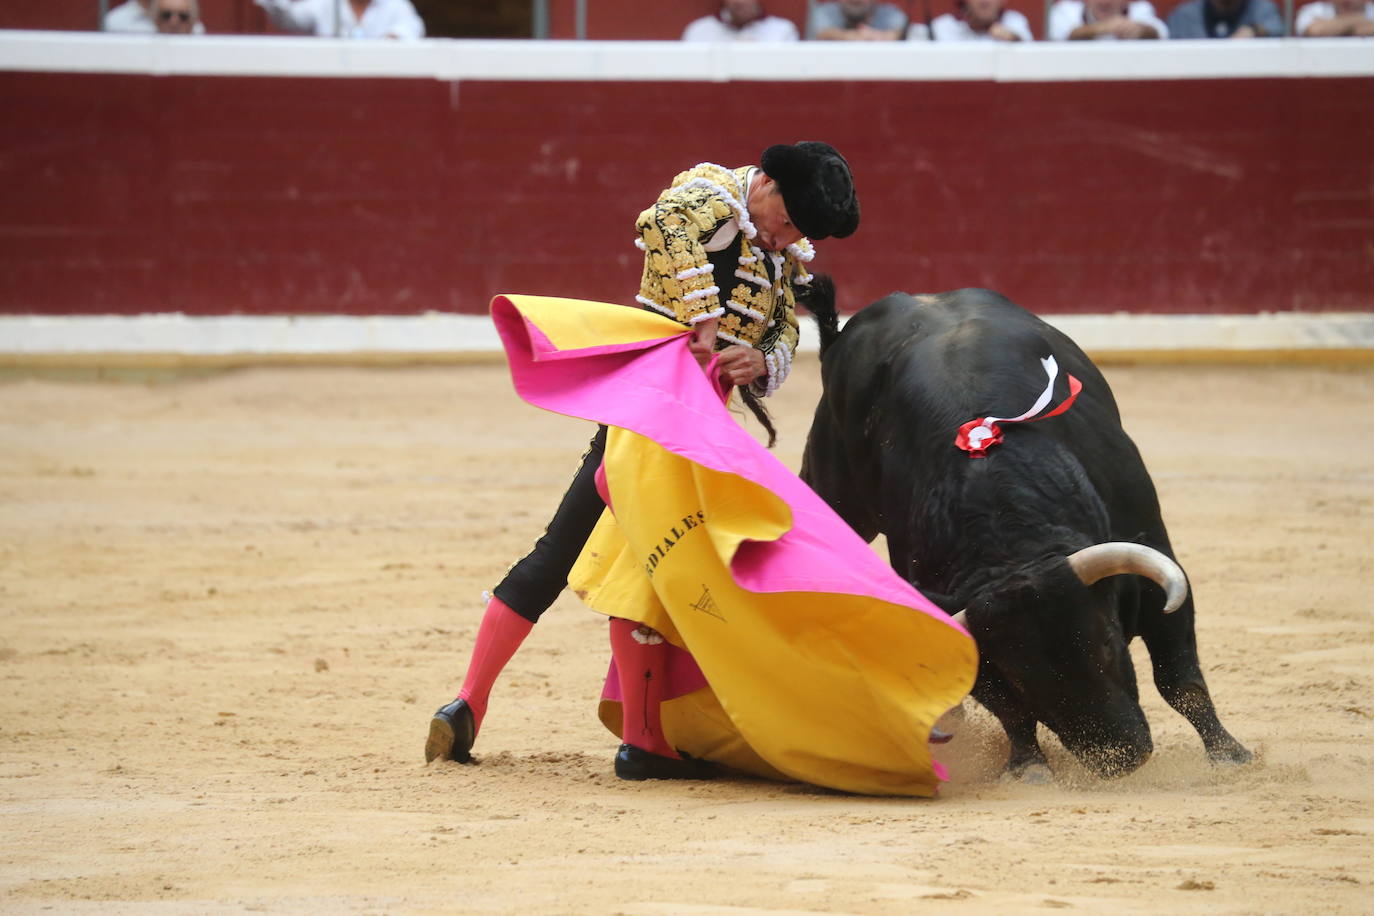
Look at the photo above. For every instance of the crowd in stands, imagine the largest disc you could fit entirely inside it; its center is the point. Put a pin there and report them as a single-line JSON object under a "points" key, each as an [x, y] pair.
{"points": [[326, 18], [1068, 20], [837, 20]]}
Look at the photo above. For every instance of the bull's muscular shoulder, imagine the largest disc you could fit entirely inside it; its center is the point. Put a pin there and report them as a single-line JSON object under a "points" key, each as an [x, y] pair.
{"points": [[877, 331], [952, 344], [951, 305], [961, 304], [899, 318]]}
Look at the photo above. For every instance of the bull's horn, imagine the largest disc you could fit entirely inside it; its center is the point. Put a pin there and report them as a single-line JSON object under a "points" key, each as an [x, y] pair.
{"points": [[962, 617], [1116, 557]]}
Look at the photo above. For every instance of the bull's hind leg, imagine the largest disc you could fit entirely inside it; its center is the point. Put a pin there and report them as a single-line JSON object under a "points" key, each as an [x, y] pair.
{"points": [[1178, 677], [1025, 760]]}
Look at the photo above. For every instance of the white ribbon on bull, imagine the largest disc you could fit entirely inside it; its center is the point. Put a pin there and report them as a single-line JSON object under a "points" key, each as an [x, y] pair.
{"points": [[1097, 561], [984, 431], [977, 436]]}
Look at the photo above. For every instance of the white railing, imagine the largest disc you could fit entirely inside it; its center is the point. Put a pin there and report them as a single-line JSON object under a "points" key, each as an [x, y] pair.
{"points": [[467, 59]]}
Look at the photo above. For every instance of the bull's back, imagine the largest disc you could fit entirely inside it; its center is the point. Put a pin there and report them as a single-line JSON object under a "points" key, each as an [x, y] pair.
{"points": [[906, 372], [965, 353]]}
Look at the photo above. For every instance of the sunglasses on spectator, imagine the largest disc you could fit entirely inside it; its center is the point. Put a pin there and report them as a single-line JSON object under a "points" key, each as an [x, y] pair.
{"points": [[166, 15]]}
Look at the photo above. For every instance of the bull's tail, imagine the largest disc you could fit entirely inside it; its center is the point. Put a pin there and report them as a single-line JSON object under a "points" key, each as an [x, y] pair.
{"points": [[818, 297]]}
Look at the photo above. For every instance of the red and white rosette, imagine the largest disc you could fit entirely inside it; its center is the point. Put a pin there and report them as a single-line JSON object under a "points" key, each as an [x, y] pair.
{"points": [[977, 436]]}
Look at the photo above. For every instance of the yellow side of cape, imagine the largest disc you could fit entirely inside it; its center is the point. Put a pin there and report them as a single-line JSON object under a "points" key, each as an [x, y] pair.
{"points": [[825, 688], [573, 324], [837, 690]]}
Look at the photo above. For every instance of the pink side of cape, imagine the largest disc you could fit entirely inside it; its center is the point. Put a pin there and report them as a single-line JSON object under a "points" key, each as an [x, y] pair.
{"points": [[656, 389]]}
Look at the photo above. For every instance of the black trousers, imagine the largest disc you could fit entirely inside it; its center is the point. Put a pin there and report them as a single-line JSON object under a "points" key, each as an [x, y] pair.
{"points": [[536, 580]]}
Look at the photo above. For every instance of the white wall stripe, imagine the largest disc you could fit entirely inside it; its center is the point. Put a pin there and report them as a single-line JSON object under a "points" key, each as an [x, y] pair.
{"points": [[439, 333], [471, 59]]}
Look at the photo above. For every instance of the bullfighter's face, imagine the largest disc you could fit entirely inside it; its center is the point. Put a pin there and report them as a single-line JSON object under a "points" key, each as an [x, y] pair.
{"points": [[768, 213]]}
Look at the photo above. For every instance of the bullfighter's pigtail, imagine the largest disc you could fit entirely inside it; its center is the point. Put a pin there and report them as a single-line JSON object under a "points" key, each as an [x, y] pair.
{"points": [[760, 412]]}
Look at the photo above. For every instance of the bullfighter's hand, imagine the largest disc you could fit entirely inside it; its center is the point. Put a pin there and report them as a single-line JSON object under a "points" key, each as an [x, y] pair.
{"points": [[703, 341], [740, 365]]}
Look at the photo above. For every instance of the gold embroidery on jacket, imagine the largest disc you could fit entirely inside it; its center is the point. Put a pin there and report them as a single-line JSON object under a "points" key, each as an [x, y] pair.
{"points": [[678, 279]]}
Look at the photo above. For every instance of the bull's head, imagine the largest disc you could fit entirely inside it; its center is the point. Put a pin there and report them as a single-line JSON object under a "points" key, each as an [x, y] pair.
{"points": [[1051, 635]]}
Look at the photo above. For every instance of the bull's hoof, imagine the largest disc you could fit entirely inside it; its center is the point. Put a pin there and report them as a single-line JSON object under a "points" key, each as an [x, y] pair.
{"points": [[1116, 761], [1028, 765], [451, 733], [1032, 774], [1230, 753]]}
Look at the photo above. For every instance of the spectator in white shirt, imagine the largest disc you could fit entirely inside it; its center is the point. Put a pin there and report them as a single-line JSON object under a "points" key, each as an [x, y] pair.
{"points": [[977, 20], [346, 18], [1086, 20], [856, 20], [741, 20], [175, 17], [1228, 19], [1324, 19], [133, 16]]}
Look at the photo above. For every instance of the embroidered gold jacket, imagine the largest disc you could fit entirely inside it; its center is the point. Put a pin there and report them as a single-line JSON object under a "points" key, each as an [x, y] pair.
{"points": [[756, 305]]}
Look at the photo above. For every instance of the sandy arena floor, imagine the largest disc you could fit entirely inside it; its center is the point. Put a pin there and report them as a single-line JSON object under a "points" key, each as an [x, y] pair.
{"points": [[229, 605]]}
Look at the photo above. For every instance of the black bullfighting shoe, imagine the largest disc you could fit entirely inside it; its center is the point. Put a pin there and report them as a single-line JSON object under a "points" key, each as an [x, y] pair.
{"points": [[636, 763], [451, 733]]}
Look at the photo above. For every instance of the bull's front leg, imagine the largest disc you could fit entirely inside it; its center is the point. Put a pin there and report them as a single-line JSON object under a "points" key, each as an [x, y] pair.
{"points": [[1190, 698], [1025, 760], [1178, 677]]}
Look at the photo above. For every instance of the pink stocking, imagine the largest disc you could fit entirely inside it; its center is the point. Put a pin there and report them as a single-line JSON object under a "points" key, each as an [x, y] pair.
{"points": [[501, 633], [641, 659]]}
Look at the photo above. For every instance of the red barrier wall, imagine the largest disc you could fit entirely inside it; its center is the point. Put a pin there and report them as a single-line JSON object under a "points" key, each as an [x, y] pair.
{"points": [[57, 15], [214, 195]]}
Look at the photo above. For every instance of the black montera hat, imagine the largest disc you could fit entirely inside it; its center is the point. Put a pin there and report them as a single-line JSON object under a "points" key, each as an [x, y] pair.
{"points": [[816, 186]]}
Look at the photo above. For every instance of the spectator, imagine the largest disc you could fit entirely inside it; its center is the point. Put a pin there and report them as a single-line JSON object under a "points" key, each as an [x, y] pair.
{"points": [[1324, 19], [1085, 20], [346, 18], [977, 20], [1226, 19], [175, 17], [856, 20], [741, 20], [133, 16]]}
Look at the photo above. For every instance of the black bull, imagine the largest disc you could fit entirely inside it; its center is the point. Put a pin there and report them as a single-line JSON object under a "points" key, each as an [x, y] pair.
{"points": [[992, 535]]}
